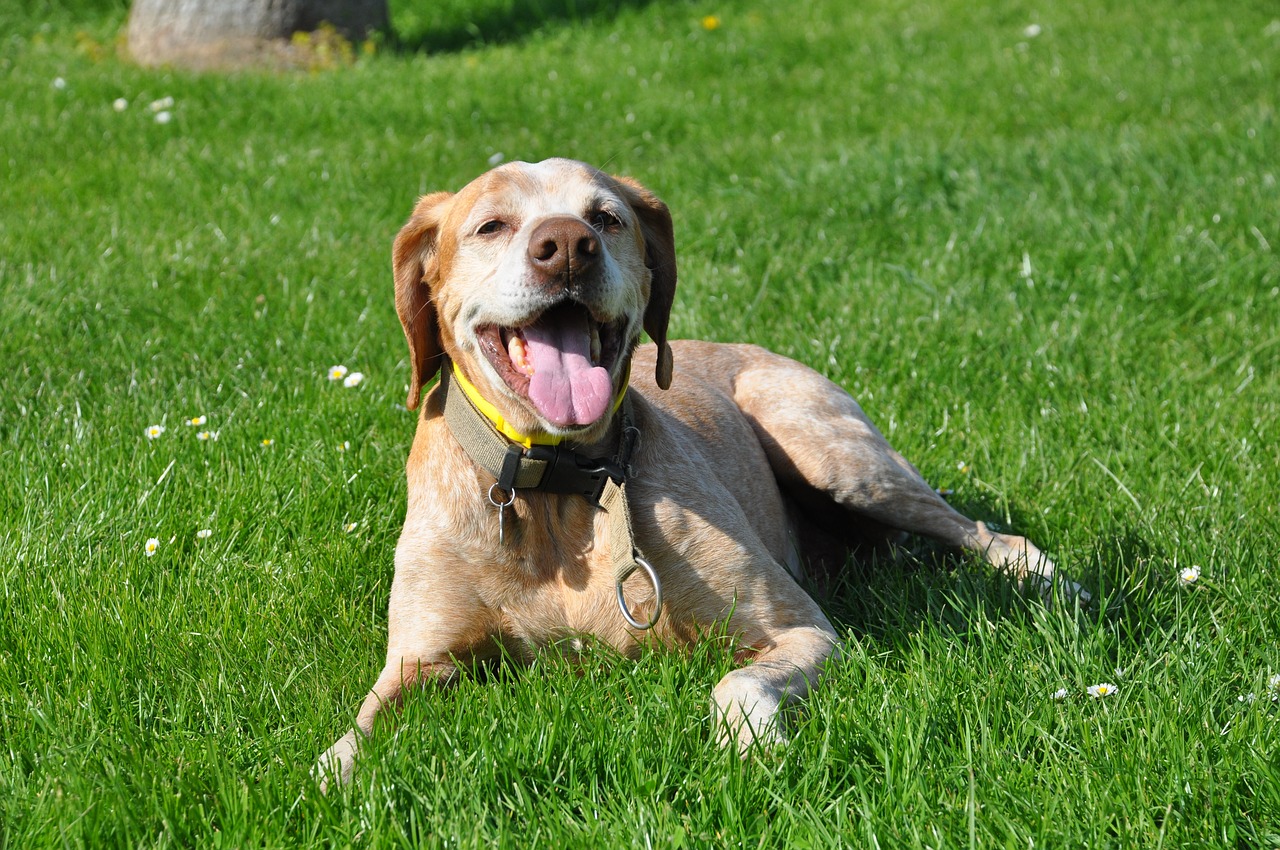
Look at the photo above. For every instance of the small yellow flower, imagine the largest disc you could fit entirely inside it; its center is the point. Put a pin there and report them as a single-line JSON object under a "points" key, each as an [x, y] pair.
{"points": [[153, 543], [350, 527], [197, 420], [154, 431], [353, 380], [1189, 575], [268, 442], [1104, 689], [204, 533], [711, 22], [337, 373]]}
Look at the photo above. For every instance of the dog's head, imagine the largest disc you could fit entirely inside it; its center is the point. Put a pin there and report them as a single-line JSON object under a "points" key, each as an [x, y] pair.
{"points": [[536, 279]]}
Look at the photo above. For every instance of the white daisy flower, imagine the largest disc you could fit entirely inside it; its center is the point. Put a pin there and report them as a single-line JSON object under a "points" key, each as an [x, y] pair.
{"points": [[197, 420], [1060, 694], [337, 373], [1103, 689], [59, 83], [268, 442], [204, 533], [153, 543], [1188, 575], [344, 445], [353, 380], [161, 104], [1249, 697], [164, 117], [119, 104], [1273, 683], [350, 527], [1032, 31], [207, 435], [154, 431]]}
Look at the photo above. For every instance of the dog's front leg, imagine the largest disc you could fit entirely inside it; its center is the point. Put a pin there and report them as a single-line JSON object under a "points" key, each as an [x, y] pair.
{"points": [[747, 703], [337, 763], [433, 622]]}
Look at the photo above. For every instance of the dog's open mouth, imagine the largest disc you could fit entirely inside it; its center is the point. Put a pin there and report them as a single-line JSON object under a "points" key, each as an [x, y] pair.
{"points": [[561, 362]]}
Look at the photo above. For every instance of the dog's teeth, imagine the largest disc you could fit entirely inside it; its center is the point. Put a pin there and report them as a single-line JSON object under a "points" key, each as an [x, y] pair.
{"points": [[595, 345], [520, 356]]}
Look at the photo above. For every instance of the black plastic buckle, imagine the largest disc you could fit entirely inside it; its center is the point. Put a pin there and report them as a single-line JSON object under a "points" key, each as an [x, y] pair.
{"points": [[571, 473]]}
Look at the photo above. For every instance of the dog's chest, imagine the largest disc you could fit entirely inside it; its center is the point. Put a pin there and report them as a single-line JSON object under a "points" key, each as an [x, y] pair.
{"points": [[548, 575]]}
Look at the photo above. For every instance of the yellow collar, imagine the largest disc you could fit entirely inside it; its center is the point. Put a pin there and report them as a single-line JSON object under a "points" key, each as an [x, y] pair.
{"points": [[504, 428]]}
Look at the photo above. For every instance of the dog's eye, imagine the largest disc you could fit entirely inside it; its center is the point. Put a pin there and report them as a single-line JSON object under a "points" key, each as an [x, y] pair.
{"points": [[604, 221], [492, 226]]}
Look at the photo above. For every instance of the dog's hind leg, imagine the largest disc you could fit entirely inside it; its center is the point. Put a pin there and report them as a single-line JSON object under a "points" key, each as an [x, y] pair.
{"points": [[818, 438]]}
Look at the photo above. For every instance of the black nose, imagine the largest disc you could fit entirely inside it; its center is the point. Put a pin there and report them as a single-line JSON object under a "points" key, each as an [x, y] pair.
{"points": [[564, 246]]}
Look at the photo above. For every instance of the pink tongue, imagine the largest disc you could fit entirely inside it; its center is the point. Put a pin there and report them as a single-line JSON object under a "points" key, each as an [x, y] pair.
{"points": [[565, 388]]}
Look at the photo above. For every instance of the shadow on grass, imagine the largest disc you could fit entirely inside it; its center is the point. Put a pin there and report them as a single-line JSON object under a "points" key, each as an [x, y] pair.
{"points": [[890, 595], [453, 26]]}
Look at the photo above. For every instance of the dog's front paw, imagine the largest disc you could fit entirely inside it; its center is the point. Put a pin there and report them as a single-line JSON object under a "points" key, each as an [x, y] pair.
{"points": [[336, 765], [746, 712]]}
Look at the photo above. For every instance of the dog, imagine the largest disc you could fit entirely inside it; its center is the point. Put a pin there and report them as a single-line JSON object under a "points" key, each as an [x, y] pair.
{"points": [[693, 481]]}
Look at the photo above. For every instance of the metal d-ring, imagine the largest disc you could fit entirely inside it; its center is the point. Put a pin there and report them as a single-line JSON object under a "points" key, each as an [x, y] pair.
{"points": [[495, 502], [657, 595]]}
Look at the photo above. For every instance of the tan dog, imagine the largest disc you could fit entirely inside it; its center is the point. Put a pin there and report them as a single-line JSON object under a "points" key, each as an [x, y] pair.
{"points": [[534, 283]]}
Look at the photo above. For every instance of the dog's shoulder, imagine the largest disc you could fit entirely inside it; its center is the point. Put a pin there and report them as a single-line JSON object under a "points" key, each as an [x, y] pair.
{"points": [[701, 365]]}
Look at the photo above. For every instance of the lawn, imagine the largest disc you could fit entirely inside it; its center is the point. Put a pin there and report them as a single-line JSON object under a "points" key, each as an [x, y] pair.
{"points": [[1037, 242]]}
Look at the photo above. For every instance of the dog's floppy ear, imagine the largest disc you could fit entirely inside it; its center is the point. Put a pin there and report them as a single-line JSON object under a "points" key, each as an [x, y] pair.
{"points": [[414, 262], [660, 257]]}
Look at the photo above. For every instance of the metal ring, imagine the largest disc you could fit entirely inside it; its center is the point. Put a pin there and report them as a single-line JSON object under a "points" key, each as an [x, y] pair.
{"points": [[657, 596], [508, 503]]}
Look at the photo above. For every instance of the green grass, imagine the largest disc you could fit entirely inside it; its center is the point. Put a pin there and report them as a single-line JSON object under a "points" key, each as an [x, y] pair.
{"points": [[1049, 259]]}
